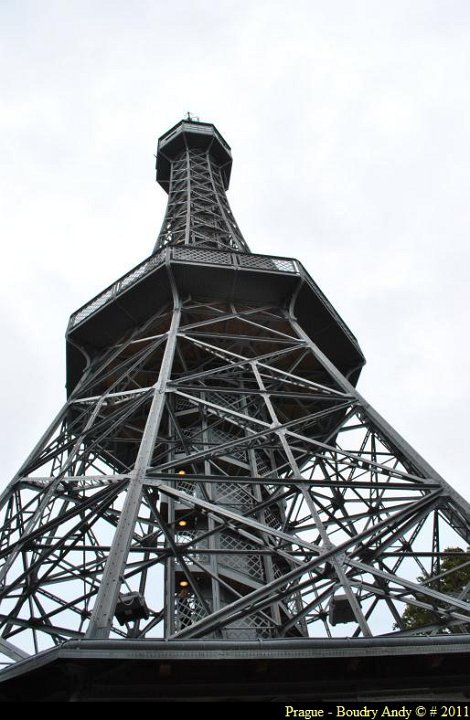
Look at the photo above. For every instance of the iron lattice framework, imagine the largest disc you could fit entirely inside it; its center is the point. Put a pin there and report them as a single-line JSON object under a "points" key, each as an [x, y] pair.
{"points": [[214, 473]]}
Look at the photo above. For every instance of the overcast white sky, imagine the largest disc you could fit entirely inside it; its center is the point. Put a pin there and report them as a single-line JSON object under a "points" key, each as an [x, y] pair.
{"points": [[349, 125]]}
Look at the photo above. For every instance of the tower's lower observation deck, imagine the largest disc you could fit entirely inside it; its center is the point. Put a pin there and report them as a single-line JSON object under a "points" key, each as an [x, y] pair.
{"points": [[206, 273]]}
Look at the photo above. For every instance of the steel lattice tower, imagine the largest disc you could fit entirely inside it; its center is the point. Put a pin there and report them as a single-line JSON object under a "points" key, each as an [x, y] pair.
{"points": [[214, 479]]}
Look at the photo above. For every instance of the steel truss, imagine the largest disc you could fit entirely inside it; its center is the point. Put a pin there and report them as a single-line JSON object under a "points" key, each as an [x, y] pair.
{"points": [[214, 475], [198, 212]]}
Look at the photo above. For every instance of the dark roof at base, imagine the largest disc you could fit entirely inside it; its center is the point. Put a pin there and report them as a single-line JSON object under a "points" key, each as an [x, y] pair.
{"points": [[274, 671]]}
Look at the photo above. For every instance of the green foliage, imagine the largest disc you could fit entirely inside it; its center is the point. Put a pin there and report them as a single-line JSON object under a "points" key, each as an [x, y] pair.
{"points": [[450, 580]]}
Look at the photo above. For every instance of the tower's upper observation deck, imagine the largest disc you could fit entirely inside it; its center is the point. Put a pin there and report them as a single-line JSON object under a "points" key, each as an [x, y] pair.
{"points": [[189, 134]]}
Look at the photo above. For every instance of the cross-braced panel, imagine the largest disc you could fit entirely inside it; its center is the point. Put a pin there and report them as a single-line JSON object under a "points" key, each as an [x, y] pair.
{"points": [[198, 212]]}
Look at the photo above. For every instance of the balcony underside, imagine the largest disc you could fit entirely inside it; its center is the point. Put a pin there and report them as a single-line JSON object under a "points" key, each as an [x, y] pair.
{"points": [[233, 277]]}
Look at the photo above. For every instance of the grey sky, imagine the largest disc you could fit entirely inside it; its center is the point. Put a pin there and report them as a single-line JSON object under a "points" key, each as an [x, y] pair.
{"points": [[349, 125]]}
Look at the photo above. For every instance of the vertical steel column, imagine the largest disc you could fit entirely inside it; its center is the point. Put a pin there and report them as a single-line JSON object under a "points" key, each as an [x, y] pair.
{"points": [[103, 611]]}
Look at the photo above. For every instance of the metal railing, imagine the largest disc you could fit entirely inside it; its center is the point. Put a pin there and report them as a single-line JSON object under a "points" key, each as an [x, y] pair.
{"points": [[182, 253]]}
